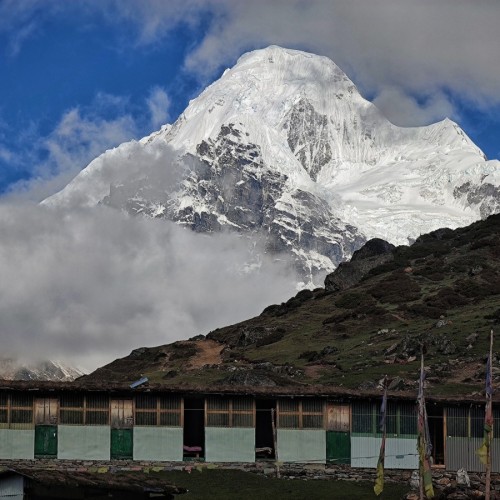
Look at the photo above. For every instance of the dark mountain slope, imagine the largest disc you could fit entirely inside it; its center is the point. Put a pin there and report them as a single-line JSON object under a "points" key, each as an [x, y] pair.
{"points": [[443, 291]]}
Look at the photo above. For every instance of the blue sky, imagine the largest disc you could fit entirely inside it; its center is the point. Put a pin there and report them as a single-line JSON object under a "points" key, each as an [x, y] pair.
{"points": [[79, 77]]}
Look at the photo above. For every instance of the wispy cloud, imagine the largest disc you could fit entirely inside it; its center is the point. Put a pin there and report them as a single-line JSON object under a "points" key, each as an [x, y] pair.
{"points": [[158, 104], [82, 134]]}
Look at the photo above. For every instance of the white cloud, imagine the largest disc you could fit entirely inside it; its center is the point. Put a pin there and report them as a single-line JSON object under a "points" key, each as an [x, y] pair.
{"points": [[158, 104], [88, 286], [421, 48], [404, 110], [78, 138]]}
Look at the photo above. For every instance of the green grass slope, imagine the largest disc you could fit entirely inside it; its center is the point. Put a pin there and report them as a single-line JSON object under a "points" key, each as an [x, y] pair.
{"points": [[443, 292]]}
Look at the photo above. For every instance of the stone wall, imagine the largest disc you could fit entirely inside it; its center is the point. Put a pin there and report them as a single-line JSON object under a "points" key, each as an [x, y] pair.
{"points": [[445, 483]]}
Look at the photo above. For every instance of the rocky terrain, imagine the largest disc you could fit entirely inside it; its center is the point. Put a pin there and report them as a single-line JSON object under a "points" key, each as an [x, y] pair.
{"points": [[371, 319]]}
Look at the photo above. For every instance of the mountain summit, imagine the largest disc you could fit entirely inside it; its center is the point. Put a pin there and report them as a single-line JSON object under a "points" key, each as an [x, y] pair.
{"points": [[284, 146]]}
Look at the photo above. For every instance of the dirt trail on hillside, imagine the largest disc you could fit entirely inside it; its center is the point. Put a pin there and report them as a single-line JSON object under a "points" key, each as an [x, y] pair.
{"points": [[208, 354]]}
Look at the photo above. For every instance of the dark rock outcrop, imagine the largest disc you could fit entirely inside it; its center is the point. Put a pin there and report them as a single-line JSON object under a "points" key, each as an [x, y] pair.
{"points": [[374, 253]]}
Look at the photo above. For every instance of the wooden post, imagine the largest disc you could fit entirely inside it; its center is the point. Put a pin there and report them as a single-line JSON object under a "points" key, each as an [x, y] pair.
{"points": [[275, 440], [490, 434]]}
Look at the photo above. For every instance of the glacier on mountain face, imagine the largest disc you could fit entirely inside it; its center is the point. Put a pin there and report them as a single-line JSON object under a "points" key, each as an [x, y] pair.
{"points": [[284, 146]]}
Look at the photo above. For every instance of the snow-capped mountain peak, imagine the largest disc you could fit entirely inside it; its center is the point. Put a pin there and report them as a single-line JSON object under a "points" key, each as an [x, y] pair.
{"points": [[283, 144]]}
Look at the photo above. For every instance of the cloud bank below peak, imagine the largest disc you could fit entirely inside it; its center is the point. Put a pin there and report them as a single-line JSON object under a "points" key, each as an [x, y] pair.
{"points": [[88, 286]]}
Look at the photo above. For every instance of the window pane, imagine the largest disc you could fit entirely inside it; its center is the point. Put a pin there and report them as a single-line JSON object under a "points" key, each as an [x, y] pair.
{"points": [[218, 419], [496, 423], [170, 419], [457, 422], [4, 399], [408, 419], [145, 418], [391, 420], [242, 404], [476, 421], [21, 416], [288, 421], [3, 417], [21, 399], [96, 418], [312, 405], [71, 417], [218, 404], [242, 420], [289, 405], [312, 421], [145, 402], [71, 401], [362, 418], [170, 403], [98, 401]]}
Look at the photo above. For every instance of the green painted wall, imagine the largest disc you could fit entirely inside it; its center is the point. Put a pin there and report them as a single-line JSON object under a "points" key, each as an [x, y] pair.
{"points": [[158, 443], [84, 442], [224, 444], [17, 443], [302, 445]]}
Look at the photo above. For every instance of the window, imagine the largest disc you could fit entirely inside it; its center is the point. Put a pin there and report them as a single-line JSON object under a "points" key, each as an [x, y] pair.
{"points": [[400, 420], [21, 410], [158, 410], [96, 409], [462, 421], [364, 418], [301, 414], [71, 409], [230, 412], [4, 408]]}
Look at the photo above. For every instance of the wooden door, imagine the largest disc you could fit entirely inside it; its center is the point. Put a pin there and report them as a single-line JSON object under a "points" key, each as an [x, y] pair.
{"points": [[338, 437], [122, 421], [46, 411]]}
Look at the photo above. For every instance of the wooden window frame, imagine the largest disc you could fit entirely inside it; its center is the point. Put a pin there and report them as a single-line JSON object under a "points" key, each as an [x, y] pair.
{"points": [[79, 409], [231, 412], [159, 411], [300, 413], [12, 408], [102, 409]]}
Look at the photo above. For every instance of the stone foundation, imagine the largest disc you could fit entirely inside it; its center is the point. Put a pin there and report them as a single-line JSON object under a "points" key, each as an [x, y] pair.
{"points": [[444, 482]]}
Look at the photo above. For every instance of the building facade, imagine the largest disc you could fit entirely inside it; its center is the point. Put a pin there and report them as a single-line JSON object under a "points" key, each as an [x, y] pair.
{"points": [[67, 422]]}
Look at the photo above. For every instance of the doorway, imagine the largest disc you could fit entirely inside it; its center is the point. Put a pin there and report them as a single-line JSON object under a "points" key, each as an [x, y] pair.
{"points": [[46, 410], [122, 422], [265, 426], [194, 428], [338, 437], [436, 432]]}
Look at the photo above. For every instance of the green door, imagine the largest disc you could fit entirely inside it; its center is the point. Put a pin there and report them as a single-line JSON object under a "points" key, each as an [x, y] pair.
{"points": [[46, 441], [122, 443], [338, 447]]}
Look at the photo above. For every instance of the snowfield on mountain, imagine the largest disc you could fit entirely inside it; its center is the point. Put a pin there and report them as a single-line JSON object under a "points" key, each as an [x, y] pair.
{"points": [[283, 146]]}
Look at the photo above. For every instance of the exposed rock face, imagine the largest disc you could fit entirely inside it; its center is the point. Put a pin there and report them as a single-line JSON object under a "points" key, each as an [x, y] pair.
{"points": [[308, 137], [374, 253]]}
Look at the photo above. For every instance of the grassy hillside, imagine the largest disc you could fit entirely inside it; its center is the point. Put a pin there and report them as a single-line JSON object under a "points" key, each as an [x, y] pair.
{"points": [[442, 292]]}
